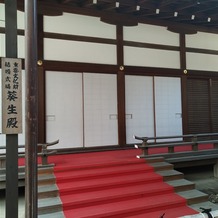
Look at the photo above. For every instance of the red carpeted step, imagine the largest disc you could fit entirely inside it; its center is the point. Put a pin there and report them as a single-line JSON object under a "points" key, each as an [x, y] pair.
{"points": [[166, 212], [102, 172], [115, 195], [99, 184], [129, 207], [114, 184], [95, 164]]}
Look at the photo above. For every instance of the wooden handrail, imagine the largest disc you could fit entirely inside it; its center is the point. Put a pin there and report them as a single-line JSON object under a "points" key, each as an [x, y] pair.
{"points": [[39, 145], [44, 153], [175, 136], [194, 142]]}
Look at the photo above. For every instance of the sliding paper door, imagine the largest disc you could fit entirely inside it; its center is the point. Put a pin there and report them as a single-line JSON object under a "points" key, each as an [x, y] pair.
{"points": [[64, 110], [153, 107], [139, 107], [100, 110], [168, 112]]}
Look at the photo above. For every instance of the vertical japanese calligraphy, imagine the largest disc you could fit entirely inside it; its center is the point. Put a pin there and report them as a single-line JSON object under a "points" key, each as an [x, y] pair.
{"points": [[11, 96]]}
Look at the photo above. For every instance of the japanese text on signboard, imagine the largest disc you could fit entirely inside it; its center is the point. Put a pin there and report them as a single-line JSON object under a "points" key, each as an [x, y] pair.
{"points": [[11, 96]]}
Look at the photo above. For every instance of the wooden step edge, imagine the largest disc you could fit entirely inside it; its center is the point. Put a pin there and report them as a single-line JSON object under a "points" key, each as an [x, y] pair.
{"points": [[161, 166], [47, 191], [44, 169], [49, 181], [193, 196], [49, 194], [59, 214], [154, 159], [169, 175], [180, 185], [49, 205]]}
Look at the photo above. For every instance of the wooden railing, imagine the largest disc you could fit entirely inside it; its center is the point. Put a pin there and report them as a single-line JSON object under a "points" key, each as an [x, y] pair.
{"points": [[194, 140], [43, 152]]}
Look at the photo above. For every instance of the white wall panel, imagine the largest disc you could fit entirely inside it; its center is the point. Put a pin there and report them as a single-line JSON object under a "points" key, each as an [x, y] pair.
{"points": [[2, 15], [21, 46], [100, 110], [2, 136], [64, 119], [21, 137], [151, 34], [63, 50], [139, 107], [151, 57], [202, 40], [79, 25], [20, 20], [20, 17], [196, 61], [2, 45], [168, 106]]}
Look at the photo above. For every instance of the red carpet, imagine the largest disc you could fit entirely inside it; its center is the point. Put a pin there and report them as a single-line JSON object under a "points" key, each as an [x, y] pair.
{"points": [[114, 184], [180, 148]]}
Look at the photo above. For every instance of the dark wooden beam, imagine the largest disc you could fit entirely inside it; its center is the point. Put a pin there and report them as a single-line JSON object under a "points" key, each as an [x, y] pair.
{"points": [[41, 82], [164, 3], [185, 6], [122, 20], [182, 30], [121, 89], [11, 139], [183, 67]]}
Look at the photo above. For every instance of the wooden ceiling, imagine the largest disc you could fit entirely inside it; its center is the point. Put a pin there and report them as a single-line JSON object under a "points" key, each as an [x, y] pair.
{"points": [[177, 13]]}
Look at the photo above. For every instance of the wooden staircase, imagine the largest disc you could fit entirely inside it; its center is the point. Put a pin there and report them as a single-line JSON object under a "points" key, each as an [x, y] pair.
{"points": [[182, 187], [50, 205], [122, 187]]}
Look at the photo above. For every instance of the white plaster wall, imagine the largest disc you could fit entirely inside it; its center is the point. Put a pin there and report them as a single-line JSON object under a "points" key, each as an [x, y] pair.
{"points": [[20, 39], [2, 45], [2, 24], [62, 50], [21, 46], [20, 17], [202, 40], [207, 62], [151, 57], [200, 61], [20, 20], [151, 34], [2, 15], [74, 24], [2, 136]]}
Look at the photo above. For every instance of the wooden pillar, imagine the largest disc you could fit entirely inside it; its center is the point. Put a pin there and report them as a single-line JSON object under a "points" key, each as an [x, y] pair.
{"points": [[41, 82], [31, 191], [11, 140], [183, 82], [215, 169], [121, 89]]}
